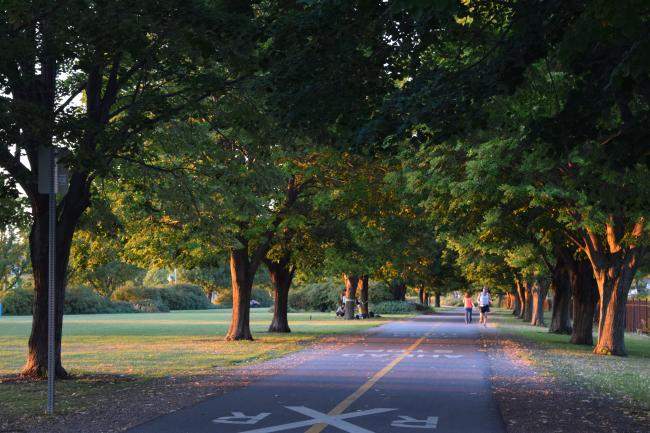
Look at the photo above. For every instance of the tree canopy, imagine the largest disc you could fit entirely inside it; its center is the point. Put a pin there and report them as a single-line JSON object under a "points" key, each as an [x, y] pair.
{"points": [[440, 146]]}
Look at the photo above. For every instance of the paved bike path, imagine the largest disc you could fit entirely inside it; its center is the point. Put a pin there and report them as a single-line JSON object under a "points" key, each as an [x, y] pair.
{"points": [[424, 374]]}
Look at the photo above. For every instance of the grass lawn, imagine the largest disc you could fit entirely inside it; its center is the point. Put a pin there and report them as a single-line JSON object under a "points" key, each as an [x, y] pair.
{"points": [[621, 377], [109, 352]]}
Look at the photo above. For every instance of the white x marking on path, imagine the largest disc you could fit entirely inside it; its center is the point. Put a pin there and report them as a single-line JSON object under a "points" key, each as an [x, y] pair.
{"points": [[322, 418]]}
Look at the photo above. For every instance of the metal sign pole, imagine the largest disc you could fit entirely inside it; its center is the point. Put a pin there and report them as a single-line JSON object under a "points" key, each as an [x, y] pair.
{"points": [[51, 292]]}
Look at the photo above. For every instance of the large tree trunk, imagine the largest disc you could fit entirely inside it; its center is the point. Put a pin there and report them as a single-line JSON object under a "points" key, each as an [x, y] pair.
{"points": [[36, 365], [69, 211], [437, 299], [363, 295], [539, 291], [351, 284], [561, 285], [521, 295], [585, 296], [422, 295], [613, 286], [242, 285], [528, 300], [614, 265], [281, 273], [515, 303]]}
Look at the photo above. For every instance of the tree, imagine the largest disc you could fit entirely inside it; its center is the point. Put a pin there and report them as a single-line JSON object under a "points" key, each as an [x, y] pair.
{"points": [[583, 163], [96, 258], [14, 251], [92, 78], [588, 163], [217, 186], [561, 286], [282, 273], [14, 258]]}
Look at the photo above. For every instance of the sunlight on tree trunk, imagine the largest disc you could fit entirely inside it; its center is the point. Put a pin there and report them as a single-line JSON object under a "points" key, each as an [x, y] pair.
{"points": [[351, 284], [614, 266], [539, 291], [521, 294], [242, 285], [363, 295], [528, 300]]}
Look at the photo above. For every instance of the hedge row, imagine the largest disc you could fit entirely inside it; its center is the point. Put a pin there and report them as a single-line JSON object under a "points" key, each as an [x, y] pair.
{"points": [[129, 299], [132, 299]]}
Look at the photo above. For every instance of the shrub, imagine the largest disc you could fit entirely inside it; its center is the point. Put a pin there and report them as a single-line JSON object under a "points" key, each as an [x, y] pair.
{"points": [[83, 300], [184, 297], [422, 307], [398, 307], [126, 299], [315, 296], [133, 293], [393, 307], [379, 292], [78, 300], [171, 297], [17, 302]]}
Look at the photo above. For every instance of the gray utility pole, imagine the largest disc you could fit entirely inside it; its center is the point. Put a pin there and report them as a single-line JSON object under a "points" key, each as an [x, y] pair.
{"points": [[52, 179], [51, 282]]}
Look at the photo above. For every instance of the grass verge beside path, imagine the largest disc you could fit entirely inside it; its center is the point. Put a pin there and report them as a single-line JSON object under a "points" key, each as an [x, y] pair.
{"points": [[626, 378], [108, 353]]}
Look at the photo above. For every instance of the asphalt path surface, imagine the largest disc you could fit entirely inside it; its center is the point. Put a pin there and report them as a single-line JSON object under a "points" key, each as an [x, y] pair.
{"points": [[424, 374]]}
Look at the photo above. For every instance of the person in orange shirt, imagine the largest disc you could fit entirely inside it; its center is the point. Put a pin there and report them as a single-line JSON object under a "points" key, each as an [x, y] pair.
{"points": [[469, 306]]}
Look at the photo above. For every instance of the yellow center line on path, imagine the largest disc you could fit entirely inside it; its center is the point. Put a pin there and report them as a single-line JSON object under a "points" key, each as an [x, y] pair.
{"points": [[342, 406]]}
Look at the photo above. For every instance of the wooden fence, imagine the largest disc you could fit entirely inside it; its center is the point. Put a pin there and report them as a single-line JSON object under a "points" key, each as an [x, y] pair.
{"points": [[637, 316]]}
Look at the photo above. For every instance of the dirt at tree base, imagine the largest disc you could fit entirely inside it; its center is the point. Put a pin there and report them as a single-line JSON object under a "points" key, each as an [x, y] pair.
{"points": [[532, 401]]}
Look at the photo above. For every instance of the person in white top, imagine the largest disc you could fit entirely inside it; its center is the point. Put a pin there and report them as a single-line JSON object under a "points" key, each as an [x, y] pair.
{"points": [[484, 302]]}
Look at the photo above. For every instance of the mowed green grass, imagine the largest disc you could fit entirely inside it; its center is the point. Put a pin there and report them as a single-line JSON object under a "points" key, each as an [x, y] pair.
{"points": [[623, 377], [107, 352], [180, 342]]}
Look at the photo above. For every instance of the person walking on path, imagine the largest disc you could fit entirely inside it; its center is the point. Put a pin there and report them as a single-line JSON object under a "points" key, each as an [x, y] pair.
{"points": [[469, 306], [484, 302]]}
